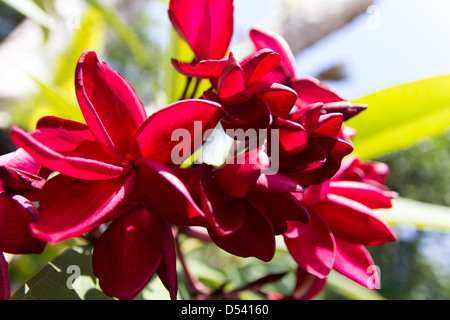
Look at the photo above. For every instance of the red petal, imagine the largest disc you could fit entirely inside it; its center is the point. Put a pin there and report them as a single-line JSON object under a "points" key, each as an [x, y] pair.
{"points": [[308, 116], [16, 214], [335, 149], [206, 25], [238, 175], [225, 213], [259, 64], [128, 254], [20, 160], [355, 262], [307, 285], [19, 173], [279, 207], [347, 109], [109, 104], [69, 208], [292, 137], [277, 183], [189, 177], [311, 90], [204, 69], [232, 87], [295, 166], [160, 191], [69, 152], [316, 192], [5, 289], [279, 98], [364, 193], [313, 246], [263, 38], [253, 114], [158, 137], [353, 221], [329, 125], [167, 271], [255, 238]]}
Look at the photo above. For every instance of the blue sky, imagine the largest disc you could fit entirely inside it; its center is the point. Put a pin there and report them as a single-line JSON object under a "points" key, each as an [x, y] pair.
{"points": [[411, 43]]}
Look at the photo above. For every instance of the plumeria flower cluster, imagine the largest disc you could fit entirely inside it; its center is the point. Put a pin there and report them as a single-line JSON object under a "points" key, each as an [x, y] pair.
{"points": [[125, 177]]}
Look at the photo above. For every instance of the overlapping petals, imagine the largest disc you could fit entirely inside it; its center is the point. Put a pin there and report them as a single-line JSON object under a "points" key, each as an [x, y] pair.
{"points": [[309, 89], [133, 182], [137, 237], [245, 208], [101, 157], [119, 155], [311, 149], [342, 223], [21, 179]]}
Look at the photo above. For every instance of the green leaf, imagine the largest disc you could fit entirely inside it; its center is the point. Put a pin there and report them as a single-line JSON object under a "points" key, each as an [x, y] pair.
{"points": [[32, 11], [69, 276], [398, 117], [419, 214]]}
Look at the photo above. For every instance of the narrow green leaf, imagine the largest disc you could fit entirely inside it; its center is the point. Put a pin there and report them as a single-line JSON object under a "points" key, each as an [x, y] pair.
{"points": [[419, 214], [398, 117], [32, 11]]}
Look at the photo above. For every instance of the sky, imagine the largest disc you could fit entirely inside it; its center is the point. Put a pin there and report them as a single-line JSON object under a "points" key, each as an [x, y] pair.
{"points": [[398, 42]]}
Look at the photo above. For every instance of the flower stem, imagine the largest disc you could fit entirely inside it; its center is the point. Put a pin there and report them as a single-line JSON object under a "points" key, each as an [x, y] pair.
{"points": [[197, 289], [194, 91], [188, 82]]}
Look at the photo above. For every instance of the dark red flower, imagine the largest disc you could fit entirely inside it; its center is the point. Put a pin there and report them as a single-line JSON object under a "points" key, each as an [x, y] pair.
{"points": [[117, 153], [245, 208], [311, 148], [247, 95], [119, 156], [342, 222], [309, 90], [21, 177]]}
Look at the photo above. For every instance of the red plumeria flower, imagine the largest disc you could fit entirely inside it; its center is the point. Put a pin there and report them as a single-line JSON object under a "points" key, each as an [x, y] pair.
{"points": [[311, 148], [342, 223], [117, 153], [308, 89], [245, 89], [206, 25], [245, 208], [249, 100], [119, 156], [21, 179]]}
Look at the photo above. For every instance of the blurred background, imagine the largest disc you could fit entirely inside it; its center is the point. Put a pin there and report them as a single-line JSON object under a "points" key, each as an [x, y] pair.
{"points": [[357, 47]]}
